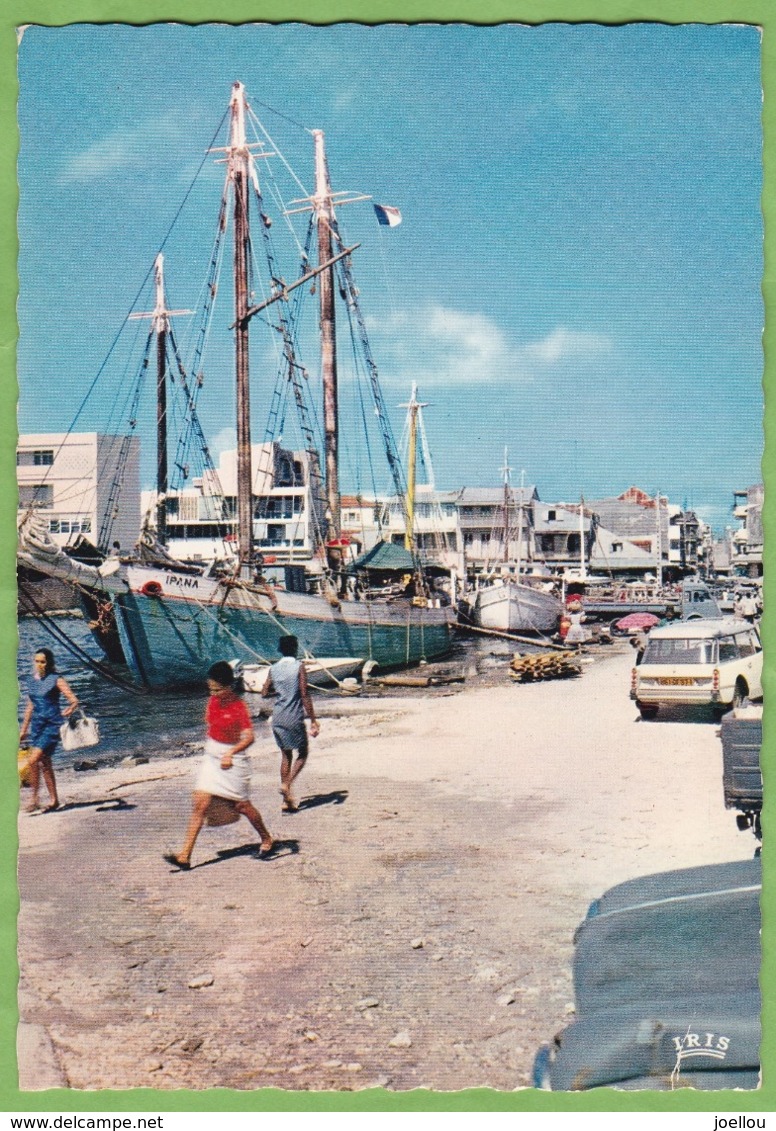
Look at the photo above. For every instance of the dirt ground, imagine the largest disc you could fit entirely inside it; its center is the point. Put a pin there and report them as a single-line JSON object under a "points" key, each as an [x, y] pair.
{"points": [[414, 926]]}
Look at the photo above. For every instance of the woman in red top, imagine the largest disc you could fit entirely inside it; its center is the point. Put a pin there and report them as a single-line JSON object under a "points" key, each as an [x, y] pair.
{"points": [[225, 769]]}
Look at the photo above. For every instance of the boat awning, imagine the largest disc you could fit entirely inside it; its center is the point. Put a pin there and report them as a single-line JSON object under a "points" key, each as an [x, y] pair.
{"points": [[385, 557]]}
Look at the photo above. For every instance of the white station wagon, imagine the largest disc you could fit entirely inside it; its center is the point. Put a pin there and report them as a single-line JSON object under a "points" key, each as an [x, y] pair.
{"points": [[718, 662]]}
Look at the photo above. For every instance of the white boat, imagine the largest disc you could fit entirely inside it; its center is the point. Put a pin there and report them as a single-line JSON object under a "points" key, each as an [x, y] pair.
{"points": [[507, 605], [505, 599], [320, 672]]}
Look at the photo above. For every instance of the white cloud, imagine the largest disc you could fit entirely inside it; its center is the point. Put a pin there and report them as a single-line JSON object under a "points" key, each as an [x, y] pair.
{"points": [[122, 149], [345, 98], [435, 345], [561, 344], [223, 441]]}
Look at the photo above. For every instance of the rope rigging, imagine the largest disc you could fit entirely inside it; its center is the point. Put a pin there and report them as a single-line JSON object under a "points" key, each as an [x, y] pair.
{"points": [[74, 649], [114, 492]]}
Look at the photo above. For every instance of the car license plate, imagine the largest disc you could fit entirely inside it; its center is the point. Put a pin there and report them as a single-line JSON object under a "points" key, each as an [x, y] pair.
{"points": [[676, 681]]}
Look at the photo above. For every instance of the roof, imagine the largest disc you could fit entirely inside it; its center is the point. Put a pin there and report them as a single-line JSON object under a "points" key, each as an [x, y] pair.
{"points": [[628, 518], [566, 519], [494, 496], [699, 629]]}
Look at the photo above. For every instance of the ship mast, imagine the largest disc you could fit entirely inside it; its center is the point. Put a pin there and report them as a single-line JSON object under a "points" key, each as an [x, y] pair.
{"points": [[658, 544], [582, 554], [324, 211], [161, 326], [239, 172], [160, 322], [506, 469], [413, 407]]}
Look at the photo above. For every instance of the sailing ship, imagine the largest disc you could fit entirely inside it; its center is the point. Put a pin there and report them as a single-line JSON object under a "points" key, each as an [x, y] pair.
{"points": [[505, 598], [172, 621]]}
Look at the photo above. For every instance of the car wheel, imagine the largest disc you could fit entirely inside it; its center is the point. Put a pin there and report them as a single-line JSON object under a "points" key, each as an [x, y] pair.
{"points": [[740, 694], [647, 710]]}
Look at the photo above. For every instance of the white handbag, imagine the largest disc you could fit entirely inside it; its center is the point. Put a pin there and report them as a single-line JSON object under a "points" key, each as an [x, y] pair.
{"points": [[77, 733]]}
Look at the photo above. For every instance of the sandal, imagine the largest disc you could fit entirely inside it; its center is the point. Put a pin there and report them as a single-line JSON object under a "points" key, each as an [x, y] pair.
{"points": [[181, 865]]}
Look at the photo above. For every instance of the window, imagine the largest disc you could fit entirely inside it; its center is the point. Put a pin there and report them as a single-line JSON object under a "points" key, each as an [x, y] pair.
{"points": [[616, 547], [53, 526], [727, 650], [36, 495], [747, 644], [552, 516], [40, 458], [680, 651]]}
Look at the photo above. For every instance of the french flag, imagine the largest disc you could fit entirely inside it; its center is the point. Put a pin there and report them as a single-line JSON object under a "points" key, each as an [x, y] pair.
{"points": [[391, 217]]}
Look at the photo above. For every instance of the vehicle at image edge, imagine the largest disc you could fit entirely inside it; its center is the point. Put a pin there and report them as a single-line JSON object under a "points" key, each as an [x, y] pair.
{"points": [[666, 986], [718, 662]]}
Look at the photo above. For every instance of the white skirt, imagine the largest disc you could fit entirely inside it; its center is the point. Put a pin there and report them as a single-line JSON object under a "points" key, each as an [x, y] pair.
{"points": [[233, 784]]}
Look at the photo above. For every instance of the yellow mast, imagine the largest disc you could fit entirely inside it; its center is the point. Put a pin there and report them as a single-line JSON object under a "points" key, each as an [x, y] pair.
{"points": [[413, 406]]}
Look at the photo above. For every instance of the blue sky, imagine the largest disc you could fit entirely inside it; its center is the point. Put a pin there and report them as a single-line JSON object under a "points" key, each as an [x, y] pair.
{"points": [[577, 275]]}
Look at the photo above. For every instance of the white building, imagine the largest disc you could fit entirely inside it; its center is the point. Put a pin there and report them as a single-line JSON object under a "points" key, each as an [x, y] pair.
{"points": [[748, 539], [81, 483], [287, 517], [436, 529]]}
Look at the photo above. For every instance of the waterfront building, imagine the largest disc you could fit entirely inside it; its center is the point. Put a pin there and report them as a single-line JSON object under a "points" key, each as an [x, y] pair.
{"points": [[564, 537], [81, 484], [747, 557], [639, 533], [437, 531], [494, 529], [288, 508]]}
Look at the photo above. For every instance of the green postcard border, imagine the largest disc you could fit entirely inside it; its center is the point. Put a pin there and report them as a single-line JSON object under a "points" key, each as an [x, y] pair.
{"points": [[59, 12]]}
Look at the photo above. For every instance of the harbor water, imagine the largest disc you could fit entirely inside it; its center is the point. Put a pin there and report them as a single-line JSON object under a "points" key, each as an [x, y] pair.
{"points": [[132, 723], [138, 723]]}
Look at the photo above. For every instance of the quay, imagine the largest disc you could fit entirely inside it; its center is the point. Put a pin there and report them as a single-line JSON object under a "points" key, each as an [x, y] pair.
{"points": [[414, 929]]}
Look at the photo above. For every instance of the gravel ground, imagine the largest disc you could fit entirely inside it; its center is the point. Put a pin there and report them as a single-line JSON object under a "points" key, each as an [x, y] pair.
{"points": [[414, 926]]}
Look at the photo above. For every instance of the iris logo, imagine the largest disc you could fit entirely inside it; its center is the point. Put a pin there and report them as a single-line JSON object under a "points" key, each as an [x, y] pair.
{"points": [[701, 1044]]}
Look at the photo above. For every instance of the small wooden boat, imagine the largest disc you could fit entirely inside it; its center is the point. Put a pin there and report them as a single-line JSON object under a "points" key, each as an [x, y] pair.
{"points": [[319, 672]]}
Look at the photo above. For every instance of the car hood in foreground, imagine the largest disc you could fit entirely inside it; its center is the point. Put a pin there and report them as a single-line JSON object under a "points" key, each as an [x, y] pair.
{"points": [[666, 978]]}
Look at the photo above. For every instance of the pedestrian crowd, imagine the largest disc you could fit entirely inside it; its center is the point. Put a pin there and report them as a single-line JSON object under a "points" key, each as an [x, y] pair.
{"points": [[222, 786]]}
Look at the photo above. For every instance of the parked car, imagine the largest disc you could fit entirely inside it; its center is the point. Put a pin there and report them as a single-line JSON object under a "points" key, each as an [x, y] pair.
{"points": [[666, 987], [742, 780], [718, 662]]}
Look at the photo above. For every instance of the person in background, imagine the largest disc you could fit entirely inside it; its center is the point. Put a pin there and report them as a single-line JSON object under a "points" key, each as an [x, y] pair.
{"points": [[224, 771], [42, 719], [640, 641], [748, 607], [287, 680], [576, 634]]}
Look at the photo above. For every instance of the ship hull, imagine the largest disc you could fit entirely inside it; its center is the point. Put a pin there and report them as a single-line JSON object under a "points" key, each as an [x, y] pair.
{"points": [[172, 628], [512, 607]]}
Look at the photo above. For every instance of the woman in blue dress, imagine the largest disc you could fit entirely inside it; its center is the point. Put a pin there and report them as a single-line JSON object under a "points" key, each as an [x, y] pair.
{"points": [[42, 719]]}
